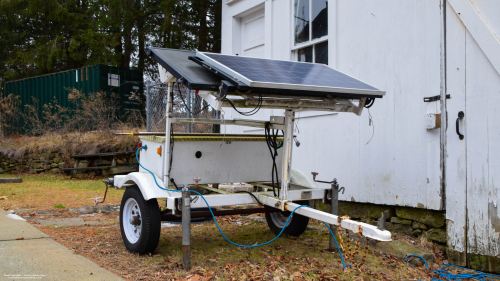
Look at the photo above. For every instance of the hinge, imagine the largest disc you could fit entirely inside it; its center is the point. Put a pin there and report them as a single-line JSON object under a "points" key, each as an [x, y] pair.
{"points": [[435, 98]]}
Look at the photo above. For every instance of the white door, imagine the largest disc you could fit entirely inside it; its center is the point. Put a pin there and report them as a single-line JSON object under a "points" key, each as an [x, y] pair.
{"points": [[473, 163], [253, 35]]}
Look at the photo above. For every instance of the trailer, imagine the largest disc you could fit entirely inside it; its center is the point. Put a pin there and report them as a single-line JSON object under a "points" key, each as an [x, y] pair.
{"points": [[178, 171]]}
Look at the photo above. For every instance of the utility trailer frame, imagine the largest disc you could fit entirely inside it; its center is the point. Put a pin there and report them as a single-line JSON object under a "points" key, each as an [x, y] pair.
{"points": [[199, 160]]}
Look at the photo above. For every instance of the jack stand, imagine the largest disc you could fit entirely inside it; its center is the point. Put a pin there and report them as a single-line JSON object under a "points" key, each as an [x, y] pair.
{"points": [[334, 204], [186, 228]]}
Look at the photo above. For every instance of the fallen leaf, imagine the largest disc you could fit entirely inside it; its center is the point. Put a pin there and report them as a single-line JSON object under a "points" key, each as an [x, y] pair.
{"points": [[22, 238], [3, 197], [212, 260]]}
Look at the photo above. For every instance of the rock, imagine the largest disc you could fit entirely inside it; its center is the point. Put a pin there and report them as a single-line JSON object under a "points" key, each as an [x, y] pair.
{"points": [[389, 226], [364, 210], [401, 221], [54, 165], [416, 232], [436, 235], [431, 218], [418, 225], [401, 249], [1, 171], [403, 228], [37, 165], [55, 171]]}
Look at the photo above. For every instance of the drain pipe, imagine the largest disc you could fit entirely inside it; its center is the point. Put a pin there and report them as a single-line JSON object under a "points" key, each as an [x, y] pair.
{"points": [[186, 228]]}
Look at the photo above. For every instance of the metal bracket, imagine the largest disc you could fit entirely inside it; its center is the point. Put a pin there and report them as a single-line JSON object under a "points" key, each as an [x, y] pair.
{"points": [[435, 98], [381, 221]]}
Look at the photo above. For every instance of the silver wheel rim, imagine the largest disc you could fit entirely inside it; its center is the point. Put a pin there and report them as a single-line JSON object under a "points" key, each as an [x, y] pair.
{"points": [[279, 219], [132, 228]]}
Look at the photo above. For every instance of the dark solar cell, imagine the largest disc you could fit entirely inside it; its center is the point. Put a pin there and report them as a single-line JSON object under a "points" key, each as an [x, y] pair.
{"points": [[273, 71], [177, 63]]}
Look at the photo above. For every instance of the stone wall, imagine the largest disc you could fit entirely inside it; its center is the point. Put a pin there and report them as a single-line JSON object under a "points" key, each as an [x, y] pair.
{"points": [[406, 220], [45, 161]]}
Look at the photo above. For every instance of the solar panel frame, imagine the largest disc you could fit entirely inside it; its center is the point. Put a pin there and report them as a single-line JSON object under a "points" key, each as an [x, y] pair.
{"points": [[190, 79], [288, 87]]}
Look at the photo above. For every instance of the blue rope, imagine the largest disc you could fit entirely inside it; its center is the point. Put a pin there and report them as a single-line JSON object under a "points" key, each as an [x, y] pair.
{"points": [[218, 227], [478, 275]]}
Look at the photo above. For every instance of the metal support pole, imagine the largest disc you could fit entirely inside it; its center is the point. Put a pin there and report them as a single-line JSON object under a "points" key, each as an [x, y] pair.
{"points": [[186, 228], [148, 107], [334, 204], [188, 113], [287, 155]]}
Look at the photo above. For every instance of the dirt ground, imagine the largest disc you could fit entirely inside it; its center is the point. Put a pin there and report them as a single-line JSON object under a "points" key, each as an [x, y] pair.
{"points": [[99, 239]]}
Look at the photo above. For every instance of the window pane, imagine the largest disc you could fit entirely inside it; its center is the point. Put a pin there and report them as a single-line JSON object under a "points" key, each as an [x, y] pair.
{"points": [[320, 18], [321, 53], [306, 54], [301, 14]]}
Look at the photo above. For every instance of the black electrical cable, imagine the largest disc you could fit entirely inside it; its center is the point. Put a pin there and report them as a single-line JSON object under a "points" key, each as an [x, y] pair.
{"points": [[272, 144], [249, 113], [185, 104], [369, 102], [255, 197], [176, 187]]}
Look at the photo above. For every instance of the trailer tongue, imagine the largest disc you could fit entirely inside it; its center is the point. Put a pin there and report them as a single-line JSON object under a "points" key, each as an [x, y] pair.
{"points": [[171, 161]]}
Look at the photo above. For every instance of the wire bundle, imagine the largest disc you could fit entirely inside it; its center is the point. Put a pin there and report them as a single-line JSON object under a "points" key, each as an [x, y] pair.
{"points": [[248, 113], [272, 144], [477, 275]]}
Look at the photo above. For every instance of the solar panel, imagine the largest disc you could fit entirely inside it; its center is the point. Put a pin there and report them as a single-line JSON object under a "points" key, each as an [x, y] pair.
{"points": [[178, 64], [286, 76]]}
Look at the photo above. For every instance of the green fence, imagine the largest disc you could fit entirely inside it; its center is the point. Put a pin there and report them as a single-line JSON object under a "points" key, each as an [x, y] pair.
{"points": [[113, 81]]}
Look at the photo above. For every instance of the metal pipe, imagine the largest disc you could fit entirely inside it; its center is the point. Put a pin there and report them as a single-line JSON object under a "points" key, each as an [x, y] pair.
{"points": [[207, 214], [148, 107], [186, 228], [188, 113], [334, 208]]}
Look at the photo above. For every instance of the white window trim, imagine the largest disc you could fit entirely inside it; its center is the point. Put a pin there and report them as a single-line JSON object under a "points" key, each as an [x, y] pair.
{"points": [[294, 48], [310, 43]]}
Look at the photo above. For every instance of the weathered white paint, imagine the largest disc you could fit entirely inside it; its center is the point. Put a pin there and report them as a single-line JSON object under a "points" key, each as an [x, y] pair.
{"points": [[456, 200], [474, 83], [483, 33]]}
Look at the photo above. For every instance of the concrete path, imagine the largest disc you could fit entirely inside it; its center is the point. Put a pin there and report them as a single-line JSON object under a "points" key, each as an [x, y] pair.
{"points": [[26, 253]]}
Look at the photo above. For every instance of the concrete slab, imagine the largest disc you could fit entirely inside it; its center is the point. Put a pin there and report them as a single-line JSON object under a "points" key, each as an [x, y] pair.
{"points": [[67, 222], [37, 256], [46, 259], [15, 229]]}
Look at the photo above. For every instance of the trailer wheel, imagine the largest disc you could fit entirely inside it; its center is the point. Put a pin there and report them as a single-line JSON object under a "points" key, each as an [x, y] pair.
{"points": [[140, 222], [296, 226]]}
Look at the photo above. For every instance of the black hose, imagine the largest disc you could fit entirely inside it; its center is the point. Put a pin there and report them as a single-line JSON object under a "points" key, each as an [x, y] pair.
{"points": [[249, 113], [255, 197]]}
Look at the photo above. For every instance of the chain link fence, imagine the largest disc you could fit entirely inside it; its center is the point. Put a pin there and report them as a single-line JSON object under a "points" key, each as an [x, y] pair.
{"points": [[186, 104]]}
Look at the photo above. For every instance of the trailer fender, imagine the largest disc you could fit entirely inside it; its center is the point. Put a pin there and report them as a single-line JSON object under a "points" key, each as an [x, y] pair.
{"points": [[300, 179], [146, 184]]}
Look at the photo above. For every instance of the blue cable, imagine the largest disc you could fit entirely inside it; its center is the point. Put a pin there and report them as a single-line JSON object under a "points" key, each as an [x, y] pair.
{"points": [[478, 275], [340, 252], [220, 230]]}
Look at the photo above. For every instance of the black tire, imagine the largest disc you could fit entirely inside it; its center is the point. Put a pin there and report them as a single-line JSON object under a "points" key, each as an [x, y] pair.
{"points": [[148, 225], [297, 225]]}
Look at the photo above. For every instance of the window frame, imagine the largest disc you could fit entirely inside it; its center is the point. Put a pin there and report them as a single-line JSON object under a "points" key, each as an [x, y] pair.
{"points": [[295, 47]]}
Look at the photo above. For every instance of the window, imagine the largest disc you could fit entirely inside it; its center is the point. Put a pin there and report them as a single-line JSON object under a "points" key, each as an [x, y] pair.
{"points": [[311, 37]]}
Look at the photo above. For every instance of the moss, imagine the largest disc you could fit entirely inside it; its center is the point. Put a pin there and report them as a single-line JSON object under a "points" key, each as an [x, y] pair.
{"points": [[436, 235], [431, 218], [400, 221]]}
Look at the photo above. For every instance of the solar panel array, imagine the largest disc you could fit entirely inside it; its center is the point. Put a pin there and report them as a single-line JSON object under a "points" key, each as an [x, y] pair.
{"points": [[286, 72]]}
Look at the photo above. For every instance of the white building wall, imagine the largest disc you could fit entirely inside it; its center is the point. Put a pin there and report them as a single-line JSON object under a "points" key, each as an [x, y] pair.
{"points": [[397, 52], [403, 48]]}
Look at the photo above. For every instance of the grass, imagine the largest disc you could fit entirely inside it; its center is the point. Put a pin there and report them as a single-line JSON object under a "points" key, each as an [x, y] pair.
{"points": [[213, 258], [41, 192]]}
